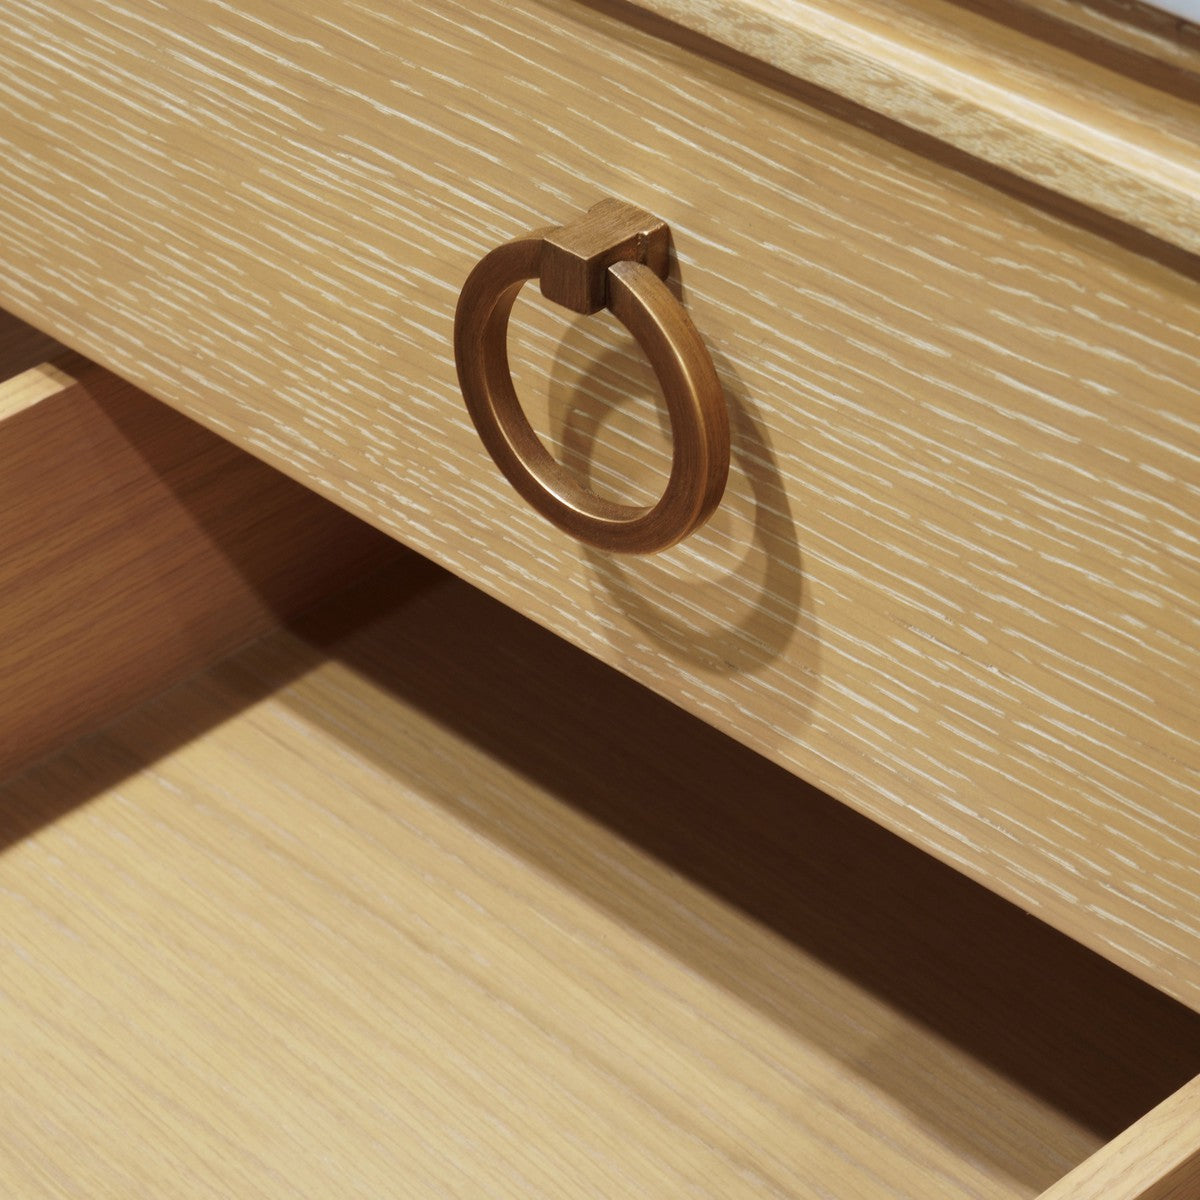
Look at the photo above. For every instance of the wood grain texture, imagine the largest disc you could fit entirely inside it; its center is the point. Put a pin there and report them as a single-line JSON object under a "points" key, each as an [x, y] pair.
{"points": [[32, 386], [1131, 37], [136, 548], [419, 900], [955, 579], [1156, 1159], [1043, 113]]}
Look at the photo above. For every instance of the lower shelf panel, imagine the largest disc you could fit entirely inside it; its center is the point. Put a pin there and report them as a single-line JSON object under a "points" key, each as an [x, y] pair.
{"points": [[414, 899]]}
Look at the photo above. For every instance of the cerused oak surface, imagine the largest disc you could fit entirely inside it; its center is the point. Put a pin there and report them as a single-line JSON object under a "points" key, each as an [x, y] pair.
{"points": [[954, 581], [1073, 124], [373, 909]]}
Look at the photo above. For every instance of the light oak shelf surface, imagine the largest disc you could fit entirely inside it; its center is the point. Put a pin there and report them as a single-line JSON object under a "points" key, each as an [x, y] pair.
{"points": [[415, 899]]}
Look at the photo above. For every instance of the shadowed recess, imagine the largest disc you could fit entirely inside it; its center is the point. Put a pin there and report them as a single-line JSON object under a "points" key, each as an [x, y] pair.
{"points": [[1060, 1022]]}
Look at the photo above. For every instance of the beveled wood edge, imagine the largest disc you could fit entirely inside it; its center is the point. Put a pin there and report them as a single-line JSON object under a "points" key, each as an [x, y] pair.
{"points": [[1157, 1158], [35, 384], [1049, 117], [1147, 42]]}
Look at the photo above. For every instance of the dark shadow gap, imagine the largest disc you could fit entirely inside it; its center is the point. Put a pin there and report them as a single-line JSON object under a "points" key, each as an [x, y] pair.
{"points": [[1064, 1023]]}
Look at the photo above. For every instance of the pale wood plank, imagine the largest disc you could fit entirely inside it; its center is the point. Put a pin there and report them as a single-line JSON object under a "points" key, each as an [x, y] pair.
{"points": [[1138, 39], [418, 900], [1043, 113], [36, 384], [1156, 1159], [955, 581], [135, 548]]}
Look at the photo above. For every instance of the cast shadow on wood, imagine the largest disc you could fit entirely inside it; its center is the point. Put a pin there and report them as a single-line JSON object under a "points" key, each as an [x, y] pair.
{"points": [[731, 598], [987, 982], [58, 783], [990, 982], [137, 548]]}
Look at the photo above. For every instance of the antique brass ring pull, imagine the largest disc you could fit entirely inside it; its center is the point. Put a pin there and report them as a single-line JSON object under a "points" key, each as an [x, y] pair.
{"points": [[614, 257]]}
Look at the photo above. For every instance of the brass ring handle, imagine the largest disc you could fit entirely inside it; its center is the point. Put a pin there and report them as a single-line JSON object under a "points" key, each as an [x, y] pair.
{"points": [[614, 257]]}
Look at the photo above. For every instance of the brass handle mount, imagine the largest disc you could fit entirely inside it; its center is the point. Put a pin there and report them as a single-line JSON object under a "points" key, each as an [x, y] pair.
{"points": [[615, 257]]}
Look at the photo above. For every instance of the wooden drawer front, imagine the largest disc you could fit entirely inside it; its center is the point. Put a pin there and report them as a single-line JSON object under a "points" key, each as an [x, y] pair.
{"points": [[954, 581]]}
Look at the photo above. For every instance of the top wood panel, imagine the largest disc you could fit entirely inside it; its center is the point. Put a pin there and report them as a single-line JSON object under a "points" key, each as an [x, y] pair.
{"points": [[1050, 116], [955, 581], [1133, 37]]}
